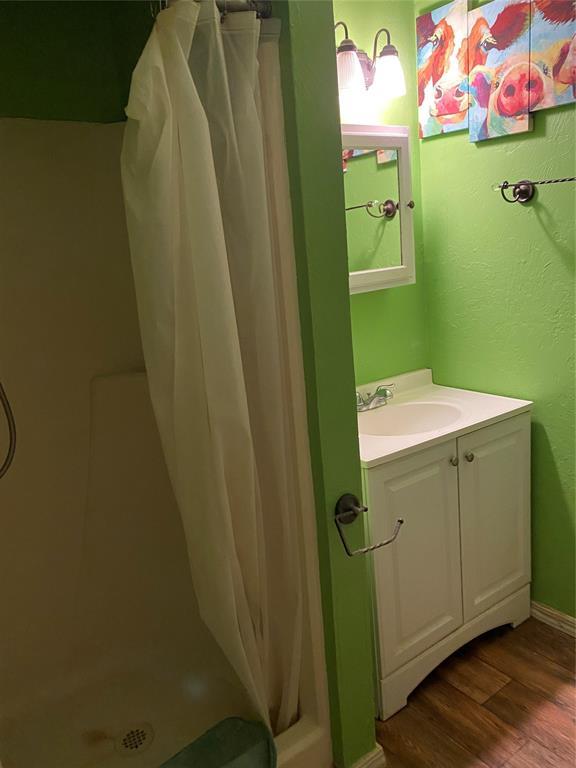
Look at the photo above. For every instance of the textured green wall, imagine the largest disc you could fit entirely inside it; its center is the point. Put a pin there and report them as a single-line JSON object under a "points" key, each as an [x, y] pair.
{"points": [[500, 287], [389, 327]]}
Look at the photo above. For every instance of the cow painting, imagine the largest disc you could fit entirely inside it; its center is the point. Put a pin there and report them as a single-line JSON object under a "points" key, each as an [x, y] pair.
{"points": [[553, 53], [442, 69], [502, 80]]}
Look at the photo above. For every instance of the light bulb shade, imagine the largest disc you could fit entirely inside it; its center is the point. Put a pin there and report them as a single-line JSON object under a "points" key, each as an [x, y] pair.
{"points": [[350, 75], [389, 81], [357, 108]]}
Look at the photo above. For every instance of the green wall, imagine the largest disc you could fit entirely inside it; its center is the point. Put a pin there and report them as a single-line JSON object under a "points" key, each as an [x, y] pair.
{"points": [[388, 327], [314, 146], [493, 307], [500, 289]]}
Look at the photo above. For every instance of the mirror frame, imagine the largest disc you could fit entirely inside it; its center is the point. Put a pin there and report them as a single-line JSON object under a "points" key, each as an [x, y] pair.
{"points": [[388, 137]]}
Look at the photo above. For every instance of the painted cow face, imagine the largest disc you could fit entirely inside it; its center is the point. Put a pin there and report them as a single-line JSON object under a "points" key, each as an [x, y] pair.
{"points": [[564, 68], [442, 78], [507, 93], [517, 88], [508, 26]]}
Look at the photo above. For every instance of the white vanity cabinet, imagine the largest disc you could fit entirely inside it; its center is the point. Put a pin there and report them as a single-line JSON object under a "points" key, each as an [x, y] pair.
{"points": [[461, 564], [494, 488], [419, 584]]}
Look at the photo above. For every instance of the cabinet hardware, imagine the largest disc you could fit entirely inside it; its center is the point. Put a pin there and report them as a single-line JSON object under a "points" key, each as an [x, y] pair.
{"points": [[346, 511], [454, 461], [469, 456]]}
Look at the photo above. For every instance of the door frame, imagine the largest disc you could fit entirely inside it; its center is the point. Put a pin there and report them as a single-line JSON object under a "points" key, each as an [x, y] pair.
{"points": [[314, 150]]}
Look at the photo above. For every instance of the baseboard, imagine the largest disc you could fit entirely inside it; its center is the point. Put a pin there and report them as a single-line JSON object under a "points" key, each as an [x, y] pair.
{"points": [[374, 759], [554, 618]]}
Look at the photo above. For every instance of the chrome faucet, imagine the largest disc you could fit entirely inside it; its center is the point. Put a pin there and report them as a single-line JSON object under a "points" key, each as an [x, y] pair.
{"points": [[379, 397]]}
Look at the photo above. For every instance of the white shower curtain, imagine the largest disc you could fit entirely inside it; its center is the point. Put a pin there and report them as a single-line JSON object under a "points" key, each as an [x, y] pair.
{"points": [[207, 201]]}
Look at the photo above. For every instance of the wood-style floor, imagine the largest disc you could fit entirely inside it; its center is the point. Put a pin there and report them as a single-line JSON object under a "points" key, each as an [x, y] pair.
{"points": [[506, 700]]}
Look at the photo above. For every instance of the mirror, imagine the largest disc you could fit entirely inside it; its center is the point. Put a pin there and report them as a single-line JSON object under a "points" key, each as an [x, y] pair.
{"points": [[372, 224], [379, 206]]}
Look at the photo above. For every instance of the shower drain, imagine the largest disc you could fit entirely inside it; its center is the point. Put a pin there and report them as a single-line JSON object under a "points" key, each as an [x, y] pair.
{"points": [[135, 740]]}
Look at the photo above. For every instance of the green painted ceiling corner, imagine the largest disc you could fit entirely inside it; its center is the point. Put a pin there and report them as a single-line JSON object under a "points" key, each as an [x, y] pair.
{"points": [[68, 59]]}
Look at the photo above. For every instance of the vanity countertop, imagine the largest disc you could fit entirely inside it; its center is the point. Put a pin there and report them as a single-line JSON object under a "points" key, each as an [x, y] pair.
{"points": [[422, 413]]}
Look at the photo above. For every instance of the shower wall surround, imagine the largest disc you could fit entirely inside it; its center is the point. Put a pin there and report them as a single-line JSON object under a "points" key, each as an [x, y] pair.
{"points": [[92, 542]]}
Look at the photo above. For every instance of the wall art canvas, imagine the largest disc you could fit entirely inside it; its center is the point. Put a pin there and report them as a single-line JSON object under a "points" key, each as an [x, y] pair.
{"points": [[552, 53], [499, 69], [441, 38], [382, 156]]}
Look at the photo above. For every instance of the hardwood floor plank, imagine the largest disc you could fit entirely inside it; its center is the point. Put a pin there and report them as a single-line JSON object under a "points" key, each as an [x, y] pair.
{"points": [[538, 718], [468, 723], [392, 761], [534, 755], [418, 743], [547, 641], [472, 676], [529, 668]]}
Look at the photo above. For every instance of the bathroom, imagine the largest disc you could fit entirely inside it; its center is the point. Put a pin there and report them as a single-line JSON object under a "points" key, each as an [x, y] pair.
{"points": [[104, 658]]}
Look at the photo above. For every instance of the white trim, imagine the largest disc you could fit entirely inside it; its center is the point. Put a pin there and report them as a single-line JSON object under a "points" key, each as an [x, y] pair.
{"points": [[374, 759], [304, 745], [554, 618]]}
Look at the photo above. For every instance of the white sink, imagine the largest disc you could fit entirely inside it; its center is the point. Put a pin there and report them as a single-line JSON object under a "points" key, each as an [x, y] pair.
{"points": [[407, 418], [422, 413]]}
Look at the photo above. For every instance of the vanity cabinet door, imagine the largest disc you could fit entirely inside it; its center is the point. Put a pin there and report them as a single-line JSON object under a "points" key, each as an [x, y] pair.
{"points": [[494, 512], [417, 578]]}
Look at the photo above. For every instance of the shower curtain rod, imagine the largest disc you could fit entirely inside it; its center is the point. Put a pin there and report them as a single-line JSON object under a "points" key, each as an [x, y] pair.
{"points": [[263, 8]]}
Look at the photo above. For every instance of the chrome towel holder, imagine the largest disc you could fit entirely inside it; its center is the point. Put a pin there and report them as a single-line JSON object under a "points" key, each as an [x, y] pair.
{"points": [[523, 191], [346, 511], [386, 210]]}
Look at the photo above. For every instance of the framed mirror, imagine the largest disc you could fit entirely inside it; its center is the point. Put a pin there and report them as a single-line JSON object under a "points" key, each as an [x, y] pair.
{"points": [[379, 206]]}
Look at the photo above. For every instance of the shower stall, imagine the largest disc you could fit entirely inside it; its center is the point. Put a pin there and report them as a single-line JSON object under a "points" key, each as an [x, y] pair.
{"points": [[103, 653]]}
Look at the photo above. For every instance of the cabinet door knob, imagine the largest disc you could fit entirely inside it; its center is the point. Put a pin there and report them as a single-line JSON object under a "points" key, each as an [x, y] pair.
{"points": [[454, 461], [469, 456]]}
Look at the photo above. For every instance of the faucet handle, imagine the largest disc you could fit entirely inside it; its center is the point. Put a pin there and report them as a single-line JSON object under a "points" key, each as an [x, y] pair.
{"points": [[385, 390], [359, 399]]}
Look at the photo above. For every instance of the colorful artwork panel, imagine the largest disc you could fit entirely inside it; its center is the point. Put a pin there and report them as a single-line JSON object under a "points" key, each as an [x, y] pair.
{"points": [[552, 53], [441, 37], [499, 69], [382, 156]]}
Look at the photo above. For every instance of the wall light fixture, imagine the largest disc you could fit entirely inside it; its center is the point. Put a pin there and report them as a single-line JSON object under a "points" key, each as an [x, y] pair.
{"points": [[366, 84]]}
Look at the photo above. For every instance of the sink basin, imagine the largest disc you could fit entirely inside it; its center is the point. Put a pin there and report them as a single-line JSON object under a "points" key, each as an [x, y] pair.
{"points": [[407, 418]]}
